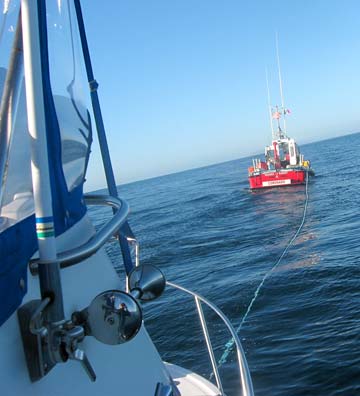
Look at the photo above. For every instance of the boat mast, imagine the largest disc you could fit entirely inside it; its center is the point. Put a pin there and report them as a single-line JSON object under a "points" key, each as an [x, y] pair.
{"points": [[269, 104], [280, 84]]}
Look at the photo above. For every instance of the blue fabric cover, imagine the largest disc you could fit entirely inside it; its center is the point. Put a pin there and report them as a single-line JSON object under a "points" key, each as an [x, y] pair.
{"points": [[19, 242], [68, 207]]}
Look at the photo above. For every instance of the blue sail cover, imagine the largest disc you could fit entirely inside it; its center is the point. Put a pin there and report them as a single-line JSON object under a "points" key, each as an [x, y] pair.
{"points": [[69, 136]]}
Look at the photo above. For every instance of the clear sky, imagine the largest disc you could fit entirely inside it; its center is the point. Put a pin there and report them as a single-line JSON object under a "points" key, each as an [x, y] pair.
{"points": [[182, 83]]}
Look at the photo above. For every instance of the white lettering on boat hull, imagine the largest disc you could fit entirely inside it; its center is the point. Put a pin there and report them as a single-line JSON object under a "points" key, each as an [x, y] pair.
{"points": [[276, 182]]}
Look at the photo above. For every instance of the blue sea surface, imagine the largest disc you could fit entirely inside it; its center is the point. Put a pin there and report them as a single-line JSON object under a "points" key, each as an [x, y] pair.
{"points": [[207, 232]]}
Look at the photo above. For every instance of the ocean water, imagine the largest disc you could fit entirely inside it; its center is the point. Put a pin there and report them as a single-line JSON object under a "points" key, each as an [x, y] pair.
{"points": [[207, 232]]}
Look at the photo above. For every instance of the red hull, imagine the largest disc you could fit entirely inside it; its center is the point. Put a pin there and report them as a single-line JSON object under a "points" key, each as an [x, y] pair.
{"points": [[279, 178]]}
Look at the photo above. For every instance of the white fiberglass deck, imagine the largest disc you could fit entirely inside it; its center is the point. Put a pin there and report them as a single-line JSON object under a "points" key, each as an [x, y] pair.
{"points": [[191, 384]]}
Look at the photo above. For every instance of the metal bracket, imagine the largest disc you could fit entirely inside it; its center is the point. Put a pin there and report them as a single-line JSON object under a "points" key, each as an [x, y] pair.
{"points": [[33, 340], [46, 344]]}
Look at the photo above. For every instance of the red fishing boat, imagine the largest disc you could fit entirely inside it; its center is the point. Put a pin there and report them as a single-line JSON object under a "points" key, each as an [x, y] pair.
{"points": [[283, 164]]}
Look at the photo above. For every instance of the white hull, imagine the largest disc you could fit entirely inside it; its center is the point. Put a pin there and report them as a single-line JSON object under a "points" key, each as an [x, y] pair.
{"points": [[115, 365]]}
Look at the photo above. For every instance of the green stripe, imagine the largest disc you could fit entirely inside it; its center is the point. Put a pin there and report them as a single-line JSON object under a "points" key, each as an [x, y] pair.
{"points": [[47, 234]]}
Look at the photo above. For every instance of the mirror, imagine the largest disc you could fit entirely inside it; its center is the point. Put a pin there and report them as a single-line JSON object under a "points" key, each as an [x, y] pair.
{"points": [[146, 282], [114, 317]]}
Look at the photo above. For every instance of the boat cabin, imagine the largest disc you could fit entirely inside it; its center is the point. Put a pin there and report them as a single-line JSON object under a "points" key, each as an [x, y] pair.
{"points": [[282, 153]]}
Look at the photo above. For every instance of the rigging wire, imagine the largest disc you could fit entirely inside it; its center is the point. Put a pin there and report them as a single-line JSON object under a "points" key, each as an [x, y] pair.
{"points": [[71, 85], [3, 22], [230, 344]]}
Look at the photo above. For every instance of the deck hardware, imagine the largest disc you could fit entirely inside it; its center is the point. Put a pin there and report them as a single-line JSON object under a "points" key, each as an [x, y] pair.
{"points": [[110, 228], [70, 340], [146, 282], [135, 243], [47, 343], [113, 317]]}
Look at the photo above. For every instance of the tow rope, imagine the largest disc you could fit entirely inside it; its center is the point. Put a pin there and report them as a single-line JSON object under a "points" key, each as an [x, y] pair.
{"points": [[230, 344]]}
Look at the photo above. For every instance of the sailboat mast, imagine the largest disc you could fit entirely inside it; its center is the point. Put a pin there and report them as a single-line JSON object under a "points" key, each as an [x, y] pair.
{"points": [[280, 83], [269, 104]]}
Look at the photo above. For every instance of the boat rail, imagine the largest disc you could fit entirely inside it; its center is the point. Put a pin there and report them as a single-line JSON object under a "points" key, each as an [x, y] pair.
{"points": [[76, 255], [246, 383]]}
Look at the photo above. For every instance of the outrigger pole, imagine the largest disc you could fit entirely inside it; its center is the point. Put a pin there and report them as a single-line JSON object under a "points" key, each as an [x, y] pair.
{"points": [[33, 15]]}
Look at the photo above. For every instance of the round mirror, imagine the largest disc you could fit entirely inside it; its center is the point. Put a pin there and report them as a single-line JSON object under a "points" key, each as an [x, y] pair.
{"points": [[114, 317], [147, 281]]}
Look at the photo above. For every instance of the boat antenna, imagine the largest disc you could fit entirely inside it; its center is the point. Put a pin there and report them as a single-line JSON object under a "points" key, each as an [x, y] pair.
{"points": [[280, 83], [269, 104]]}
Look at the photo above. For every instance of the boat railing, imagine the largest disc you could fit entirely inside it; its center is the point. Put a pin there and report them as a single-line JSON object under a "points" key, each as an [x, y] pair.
{"points": [[110, 228], [246, 383], [103, 235]]}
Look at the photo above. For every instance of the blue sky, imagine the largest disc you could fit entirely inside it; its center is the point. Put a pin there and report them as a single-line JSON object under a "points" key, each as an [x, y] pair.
{"points": [[182, 83]]}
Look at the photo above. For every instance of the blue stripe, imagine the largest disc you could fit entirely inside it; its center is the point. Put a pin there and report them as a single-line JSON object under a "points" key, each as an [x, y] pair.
{"points": [[48, 219]]}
